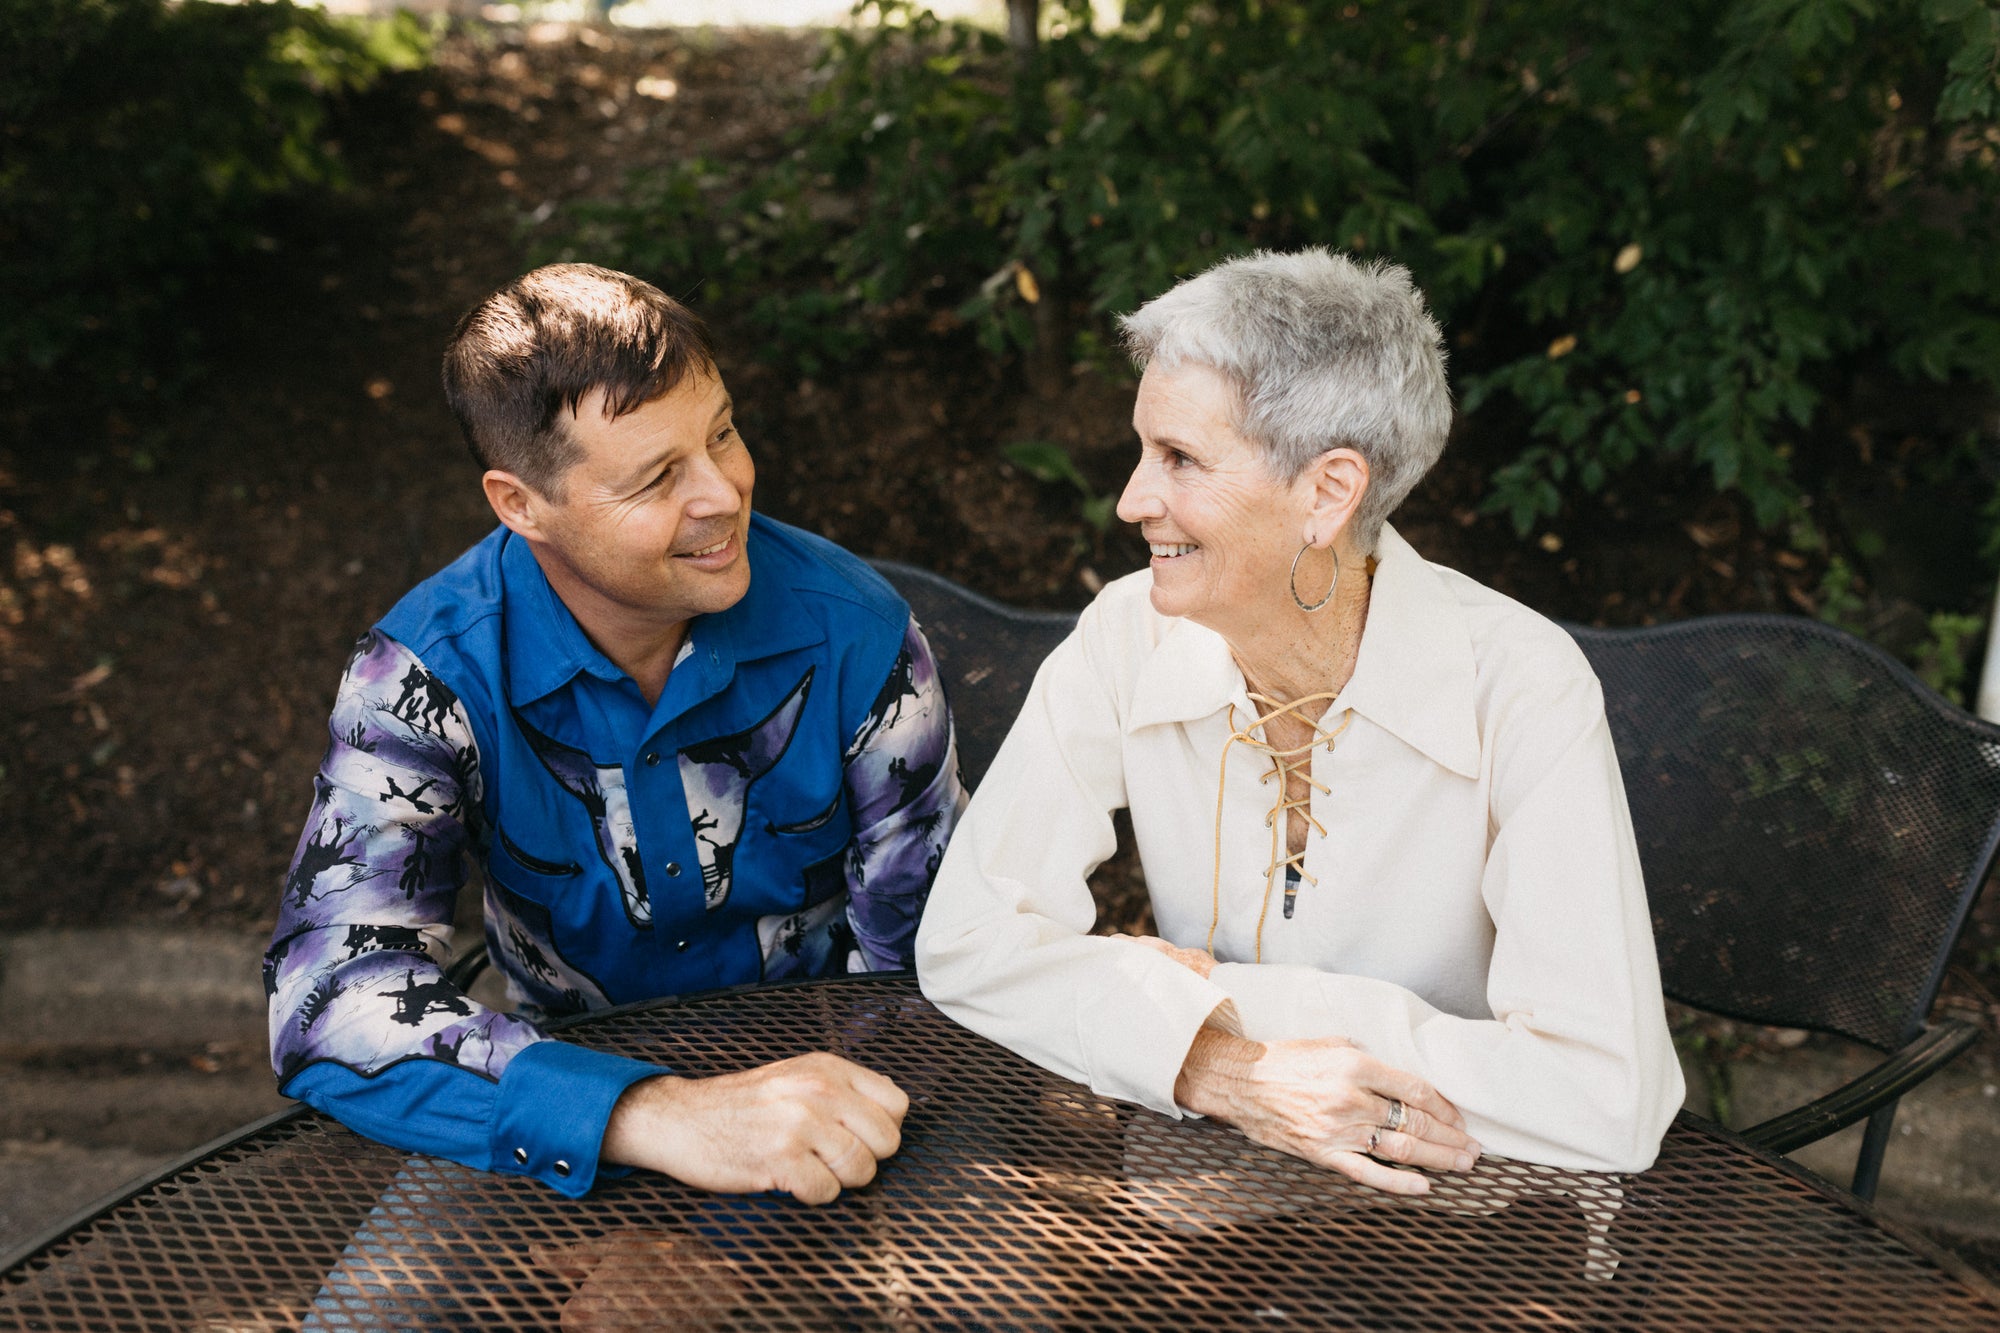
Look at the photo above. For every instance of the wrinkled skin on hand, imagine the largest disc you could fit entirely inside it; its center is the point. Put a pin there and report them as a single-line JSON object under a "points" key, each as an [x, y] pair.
{"points": [[1323, 1099], [810, 1126]]}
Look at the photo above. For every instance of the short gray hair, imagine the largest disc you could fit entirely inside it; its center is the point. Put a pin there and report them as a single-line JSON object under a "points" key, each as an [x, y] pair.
{"points": [[1324, 353]]}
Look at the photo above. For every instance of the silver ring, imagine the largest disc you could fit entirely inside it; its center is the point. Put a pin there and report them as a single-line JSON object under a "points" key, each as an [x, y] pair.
{"points": [[1373, 1136], [1395, 1120]]}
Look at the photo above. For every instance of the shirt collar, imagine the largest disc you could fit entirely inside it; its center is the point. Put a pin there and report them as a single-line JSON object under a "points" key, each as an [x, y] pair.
{"points": [[1413, 677], [546, 648]]}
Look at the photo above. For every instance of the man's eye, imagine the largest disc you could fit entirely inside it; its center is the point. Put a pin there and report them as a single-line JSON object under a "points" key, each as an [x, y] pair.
{"points": [[726, 434], [1174, 458], [658, 481]]}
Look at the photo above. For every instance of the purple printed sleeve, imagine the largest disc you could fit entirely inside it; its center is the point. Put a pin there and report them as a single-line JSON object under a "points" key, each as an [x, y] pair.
{"points": [[355, 974], [904, 789]]}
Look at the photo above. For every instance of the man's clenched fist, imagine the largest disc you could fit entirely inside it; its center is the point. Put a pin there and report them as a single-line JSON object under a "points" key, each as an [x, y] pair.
{"points": [[811, 1126]]}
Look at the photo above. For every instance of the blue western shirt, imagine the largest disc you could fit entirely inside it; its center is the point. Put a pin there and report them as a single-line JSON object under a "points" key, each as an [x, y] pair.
{"points": [[779, 812]]}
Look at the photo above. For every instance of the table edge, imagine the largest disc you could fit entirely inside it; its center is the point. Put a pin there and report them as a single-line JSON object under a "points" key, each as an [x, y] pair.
{"points": [[26, 1253], [50, 1237]]}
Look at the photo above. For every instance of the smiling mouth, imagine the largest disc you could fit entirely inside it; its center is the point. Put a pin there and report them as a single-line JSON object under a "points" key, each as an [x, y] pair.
{"points": [[1171, 550], [716, 549]]}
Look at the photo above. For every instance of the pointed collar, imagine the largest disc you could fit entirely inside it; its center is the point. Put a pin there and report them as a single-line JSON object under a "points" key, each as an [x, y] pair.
{"points": [[546, 648], [1414, 676]]}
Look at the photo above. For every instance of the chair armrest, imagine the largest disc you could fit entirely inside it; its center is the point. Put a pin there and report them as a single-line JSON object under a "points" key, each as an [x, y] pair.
{"points": [[465, 968], [1862, 1097]]}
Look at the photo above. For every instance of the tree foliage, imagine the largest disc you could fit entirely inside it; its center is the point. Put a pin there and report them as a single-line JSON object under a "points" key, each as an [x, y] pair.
{"points": [[139, 139], [1652, 230]]}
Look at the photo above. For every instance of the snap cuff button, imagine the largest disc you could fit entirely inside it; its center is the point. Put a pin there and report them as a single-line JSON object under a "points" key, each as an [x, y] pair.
{"points": [[561, 1167], [652, 759], [521, 1156], [680, 946], [673, 870]]}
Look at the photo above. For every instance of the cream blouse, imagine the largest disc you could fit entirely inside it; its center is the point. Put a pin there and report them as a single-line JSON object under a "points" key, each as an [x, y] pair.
{"points": [[1478, 917]]}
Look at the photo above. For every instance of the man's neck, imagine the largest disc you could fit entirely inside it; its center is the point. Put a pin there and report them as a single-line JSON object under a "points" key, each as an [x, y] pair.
{"points": [[642, 646]]}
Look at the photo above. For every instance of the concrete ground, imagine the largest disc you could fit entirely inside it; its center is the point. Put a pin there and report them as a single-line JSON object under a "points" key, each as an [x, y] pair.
{"points": [[121, 1050]]}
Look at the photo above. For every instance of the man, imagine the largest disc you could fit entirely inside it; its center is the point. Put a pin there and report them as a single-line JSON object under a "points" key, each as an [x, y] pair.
{"points": [[690, 746]]}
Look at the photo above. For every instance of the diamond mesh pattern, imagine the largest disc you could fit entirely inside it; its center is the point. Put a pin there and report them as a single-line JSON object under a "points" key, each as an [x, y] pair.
{"points": [[1813, 823], [1018, 1201]]}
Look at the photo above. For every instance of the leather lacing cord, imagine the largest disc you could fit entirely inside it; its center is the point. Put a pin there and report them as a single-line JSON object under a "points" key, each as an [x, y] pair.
{"points": [[1284, 763]]}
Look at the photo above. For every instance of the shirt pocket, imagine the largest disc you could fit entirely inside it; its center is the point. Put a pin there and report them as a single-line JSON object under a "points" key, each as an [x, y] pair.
{"points": [[541, 879], [809, 853]]}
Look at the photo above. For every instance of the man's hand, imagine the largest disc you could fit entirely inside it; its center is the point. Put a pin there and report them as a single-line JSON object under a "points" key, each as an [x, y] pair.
{"points": [[811, 1126], [1198, 961], [1327, 1101]]}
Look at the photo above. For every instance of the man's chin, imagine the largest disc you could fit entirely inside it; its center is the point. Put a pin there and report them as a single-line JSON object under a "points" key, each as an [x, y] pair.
{"points": [[718, 590]]}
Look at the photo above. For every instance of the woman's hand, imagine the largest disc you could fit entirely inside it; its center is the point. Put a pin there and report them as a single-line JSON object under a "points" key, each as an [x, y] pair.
{"points": [[1328, 1101], [1198, 961]]}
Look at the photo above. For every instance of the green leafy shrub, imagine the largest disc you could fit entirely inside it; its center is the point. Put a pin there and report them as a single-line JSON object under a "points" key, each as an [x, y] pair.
{"points": [[1051, 464], [139, 138], [1944, 659], [1653, 231]]}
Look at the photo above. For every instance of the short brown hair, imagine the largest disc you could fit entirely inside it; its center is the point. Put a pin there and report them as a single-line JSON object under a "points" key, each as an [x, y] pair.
{"points": [[533, 350]]}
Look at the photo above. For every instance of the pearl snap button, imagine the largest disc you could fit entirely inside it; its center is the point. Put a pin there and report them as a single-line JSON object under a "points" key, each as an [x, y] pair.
{"points": [[680, 946], [561, 1167], [653, 759], [521, 1156], [673, 870]]}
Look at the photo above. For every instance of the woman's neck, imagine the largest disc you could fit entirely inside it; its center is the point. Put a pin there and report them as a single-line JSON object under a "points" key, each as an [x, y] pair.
{"points": [[1291, 654]]}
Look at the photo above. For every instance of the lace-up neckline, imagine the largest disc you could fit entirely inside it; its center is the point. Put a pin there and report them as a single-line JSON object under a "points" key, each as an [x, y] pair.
{"points": [[1284, 763]]}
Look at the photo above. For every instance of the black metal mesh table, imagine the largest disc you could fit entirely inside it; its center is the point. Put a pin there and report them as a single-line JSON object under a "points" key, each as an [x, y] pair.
{"points": [[1018, 1201]]}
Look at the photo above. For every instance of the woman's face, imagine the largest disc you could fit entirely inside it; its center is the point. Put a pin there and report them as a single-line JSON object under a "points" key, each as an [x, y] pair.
{"points": [[1222, 528]]}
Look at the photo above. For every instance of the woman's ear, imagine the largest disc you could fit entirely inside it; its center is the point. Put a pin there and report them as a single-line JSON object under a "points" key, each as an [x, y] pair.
{"points": [[1336, 481]]}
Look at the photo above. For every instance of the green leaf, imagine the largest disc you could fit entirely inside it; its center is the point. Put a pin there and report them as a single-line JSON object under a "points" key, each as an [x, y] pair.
{"points": [[1045, 462]]}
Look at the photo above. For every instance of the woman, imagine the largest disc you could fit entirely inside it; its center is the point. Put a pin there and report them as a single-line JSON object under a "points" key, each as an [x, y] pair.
{"points": [[1376, 802]]}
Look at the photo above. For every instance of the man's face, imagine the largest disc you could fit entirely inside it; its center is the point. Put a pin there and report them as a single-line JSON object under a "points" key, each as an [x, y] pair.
{"points": [[653, 518]]}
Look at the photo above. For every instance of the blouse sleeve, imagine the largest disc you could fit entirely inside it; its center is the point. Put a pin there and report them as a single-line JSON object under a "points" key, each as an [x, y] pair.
{"points": [[1575, 1068], [1005, 947]]}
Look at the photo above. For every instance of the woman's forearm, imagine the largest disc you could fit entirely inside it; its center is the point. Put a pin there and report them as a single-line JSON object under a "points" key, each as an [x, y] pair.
{"points": [[1216, 1073]]}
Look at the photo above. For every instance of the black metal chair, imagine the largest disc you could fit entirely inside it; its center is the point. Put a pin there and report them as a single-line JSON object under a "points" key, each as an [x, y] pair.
{"points": [[1815, 825]]}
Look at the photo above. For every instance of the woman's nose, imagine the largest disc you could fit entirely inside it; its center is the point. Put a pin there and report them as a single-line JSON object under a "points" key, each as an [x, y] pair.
{"points": [[1138, 502]]}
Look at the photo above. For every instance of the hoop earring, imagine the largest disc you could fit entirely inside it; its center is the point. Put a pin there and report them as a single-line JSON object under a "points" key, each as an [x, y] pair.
{"points": [[1294, 580]]}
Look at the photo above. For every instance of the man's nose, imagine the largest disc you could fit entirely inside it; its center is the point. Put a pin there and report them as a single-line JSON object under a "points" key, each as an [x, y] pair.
{"points": [[714, 495]]}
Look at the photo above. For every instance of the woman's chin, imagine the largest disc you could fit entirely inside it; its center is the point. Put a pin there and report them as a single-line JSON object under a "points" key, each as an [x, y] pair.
{"points": [[1172, 600]]}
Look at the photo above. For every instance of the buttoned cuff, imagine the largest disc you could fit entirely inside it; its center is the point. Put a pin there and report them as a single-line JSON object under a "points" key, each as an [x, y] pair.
{"points": [[555, 1101]]}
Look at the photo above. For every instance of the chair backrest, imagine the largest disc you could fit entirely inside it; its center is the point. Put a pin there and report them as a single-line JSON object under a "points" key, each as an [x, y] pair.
{"points": [[1814, 823], [987, 654]]}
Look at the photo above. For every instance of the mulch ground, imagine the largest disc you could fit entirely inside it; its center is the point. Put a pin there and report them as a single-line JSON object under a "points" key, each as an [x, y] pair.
{"points": [[179, 584]]}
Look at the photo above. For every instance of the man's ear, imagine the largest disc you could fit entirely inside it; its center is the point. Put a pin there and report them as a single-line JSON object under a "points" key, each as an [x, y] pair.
{"points": [[1337, 480], [514, 502]]}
